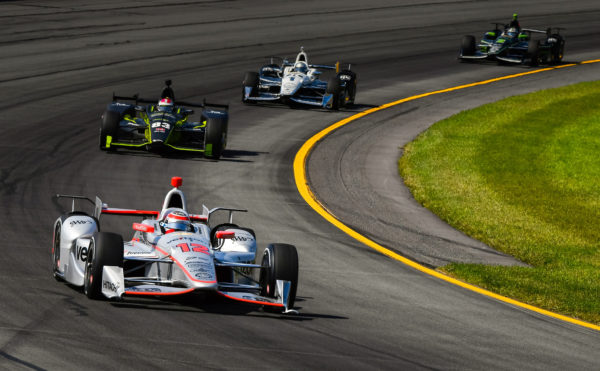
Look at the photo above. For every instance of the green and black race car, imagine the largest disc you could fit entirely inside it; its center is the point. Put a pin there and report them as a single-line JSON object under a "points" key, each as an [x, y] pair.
{"points": [[161, 125], [515, 45]]}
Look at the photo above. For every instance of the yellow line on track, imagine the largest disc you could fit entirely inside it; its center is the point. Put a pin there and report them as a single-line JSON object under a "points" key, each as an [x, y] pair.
{"points": [[309, 197]]}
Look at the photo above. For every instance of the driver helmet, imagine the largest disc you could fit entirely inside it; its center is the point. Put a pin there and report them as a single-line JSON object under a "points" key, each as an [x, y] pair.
{"points": [[515, 15], [175, 221], [301, 67], [165, 104]]}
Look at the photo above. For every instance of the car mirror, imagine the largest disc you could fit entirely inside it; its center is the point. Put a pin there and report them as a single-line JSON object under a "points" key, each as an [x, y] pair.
{"points": [[143, 228], [225, 235]]}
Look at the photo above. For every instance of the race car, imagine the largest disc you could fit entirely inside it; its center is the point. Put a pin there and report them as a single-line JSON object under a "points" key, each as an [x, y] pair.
{"points": [[514, 45], [172, 252], [299, 83], [164, 124]]}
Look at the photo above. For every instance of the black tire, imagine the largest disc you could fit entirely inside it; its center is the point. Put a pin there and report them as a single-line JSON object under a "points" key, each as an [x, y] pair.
{"points": [[533, 51], [467, 45], [279, 262], [105, 249], [334, 87], [351, 81], [558, 49], [109, 126], [55, 252], [251, 80], [215, 137]]}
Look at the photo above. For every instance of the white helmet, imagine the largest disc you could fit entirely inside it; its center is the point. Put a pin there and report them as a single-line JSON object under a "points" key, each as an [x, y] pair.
{"points": [[165, 104], [301, 67]]}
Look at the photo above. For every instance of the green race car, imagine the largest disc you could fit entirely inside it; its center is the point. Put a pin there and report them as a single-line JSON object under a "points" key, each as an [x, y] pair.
{"points": [[161, 125]]}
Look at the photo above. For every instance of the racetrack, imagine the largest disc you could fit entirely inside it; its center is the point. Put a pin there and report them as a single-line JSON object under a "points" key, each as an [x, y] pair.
{"points": [[60, 64]]}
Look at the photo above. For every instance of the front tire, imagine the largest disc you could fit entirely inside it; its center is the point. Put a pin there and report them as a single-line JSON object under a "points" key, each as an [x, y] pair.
{"points": [[109, 127], [105, 249], [334, 87], [215, 137], [279, 262]]}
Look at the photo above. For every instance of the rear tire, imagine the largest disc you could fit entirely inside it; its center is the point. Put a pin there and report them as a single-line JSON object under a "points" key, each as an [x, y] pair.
{"points": [[105, 249], [109, 127], [56, 251], [533, 50], [467, 45], [350, 91], [279, 262], [215, 137], [251, 80], [558, 49]]}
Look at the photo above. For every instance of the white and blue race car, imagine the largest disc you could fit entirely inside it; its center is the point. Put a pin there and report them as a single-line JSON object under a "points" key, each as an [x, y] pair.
{"points": [[299, 83]]}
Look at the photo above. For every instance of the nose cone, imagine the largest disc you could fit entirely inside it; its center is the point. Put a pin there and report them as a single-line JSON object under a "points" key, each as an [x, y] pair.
{"points": [[290, 85]]}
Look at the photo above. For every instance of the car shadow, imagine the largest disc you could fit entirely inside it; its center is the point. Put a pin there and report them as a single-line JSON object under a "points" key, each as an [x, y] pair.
{"points": [[228, 155], [215, 304]]}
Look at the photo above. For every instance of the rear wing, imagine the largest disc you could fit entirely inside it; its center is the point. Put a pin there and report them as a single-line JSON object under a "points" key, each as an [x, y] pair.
{"points": [[231, 211], [136, 98]]}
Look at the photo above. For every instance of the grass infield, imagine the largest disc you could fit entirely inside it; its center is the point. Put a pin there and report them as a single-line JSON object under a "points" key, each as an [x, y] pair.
{"points": [[523, 176]]}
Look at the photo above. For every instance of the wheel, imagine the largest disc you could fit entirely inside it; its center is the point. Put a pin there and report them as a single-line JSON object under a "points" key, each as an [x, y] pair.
{"points": [[105, 249], [109, 127], [350, 92], [215, 137], [558, 49], [56, 251], [279, 262], [334, 87], [533, 50], [467, 45], [251, 80]]}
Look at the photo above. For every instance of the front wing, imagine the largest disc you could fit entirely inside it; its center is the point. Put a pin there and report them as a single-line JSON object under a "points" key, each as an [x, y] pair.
{"points": [[113, 287]]}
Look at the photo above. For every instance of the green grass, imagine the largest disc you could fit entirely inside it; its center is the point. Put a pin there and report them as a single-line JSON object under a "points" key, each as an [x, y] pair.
{"points": [[523, 176]]}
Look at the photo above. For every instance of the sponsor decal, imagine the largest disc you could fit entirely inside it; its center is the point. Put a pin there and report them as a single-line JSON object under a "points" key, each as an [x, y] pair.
{"points": [[345, 77], [215, 112], [144, 289], [242, 239], [79, 221], [193, 258], [81, 253], [111, 286], [131, 253]]}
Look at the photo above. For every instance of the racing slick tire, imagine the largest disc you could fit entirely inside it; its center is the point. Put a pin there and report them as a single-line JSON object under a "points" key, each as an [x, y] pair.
{"points": [[105, 249], [558, 49], [215, 137], [467, 45], [109, 127], [56, 251], [350, 78], [279, 262], [334, 87], [251, 80], [533, 51]]}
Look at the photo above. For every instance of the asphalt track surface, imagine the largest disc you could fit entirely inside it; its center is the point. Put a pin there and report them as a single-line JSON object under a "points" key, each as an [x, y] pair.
{"points": [[62, 60]]}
